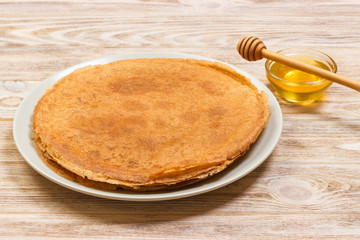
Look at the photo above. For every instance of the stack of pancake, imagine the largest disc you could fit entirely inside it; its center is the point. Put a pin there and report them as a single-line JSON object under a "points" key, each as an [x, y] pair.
{"points": [[148, 124]]}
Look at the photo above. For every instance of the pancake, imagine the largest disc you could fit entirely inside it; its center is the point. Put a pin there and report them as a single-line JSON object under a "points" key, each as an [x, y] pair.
{"points": [[149, 124]]}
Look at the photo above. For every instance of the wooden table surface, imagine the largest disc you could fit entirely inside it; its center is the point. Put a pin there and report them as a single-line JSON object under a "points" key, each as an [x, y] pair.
{"points": [[308, 188]]}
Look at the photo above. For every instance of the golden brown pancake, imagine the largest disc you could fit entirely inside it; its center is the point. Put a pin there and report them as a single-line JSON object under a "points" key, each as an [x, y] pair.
{"points": [[149, 124]]}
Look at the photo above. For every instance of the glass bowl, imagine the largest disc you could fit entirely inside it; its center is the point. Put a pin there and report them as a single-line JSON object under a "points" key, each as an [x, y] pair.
{"points": [[294, 85]]}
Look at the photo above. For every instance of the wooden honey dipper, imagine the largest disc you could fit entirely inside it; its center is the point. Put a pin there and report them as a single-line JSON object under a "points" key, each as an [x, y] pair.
{"points": [[253, 49]]}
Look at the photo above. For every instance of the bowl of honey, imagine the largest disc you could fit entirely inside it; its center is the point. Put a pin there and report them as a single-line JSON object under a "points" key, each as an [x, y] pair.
{"points": [[297, 86]]}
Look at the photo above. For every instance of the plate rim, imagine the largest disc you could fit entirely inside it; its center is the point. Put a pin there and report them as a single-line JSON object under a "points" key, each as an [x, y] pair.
{"points": [[35, 95]]}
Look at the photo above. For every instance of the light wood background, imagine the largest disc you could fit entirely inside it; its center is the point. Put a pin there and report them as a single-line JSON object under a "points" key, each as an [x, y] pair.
{"points": [[308, 188]]}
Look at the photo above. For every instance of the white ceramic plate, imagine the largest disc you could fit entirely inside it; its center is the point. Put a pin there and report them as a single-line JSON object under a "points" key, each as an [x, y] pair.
{"points": [[258, 153]]}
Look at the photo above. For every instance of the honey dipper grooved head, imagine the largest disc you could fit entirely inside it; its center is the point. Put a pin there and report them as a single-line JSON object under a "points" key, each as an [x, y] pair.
{"points": [[250, 48]]}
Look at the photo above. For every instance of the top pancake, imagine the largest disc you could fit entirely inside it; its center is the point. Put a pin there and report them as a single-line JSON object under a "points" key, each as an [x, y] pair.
{"points": [[149, 122]]}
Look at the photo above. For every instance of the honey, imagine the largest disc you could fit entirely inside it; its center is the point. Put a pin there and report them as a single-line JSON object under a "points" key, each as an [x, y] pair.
{"points": [[297, 86]]}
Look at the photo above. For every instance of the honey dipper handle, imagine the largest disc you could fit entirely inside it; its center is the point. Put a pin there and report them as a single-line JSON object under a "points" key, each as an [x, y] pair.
{"points": [[291, 62]]}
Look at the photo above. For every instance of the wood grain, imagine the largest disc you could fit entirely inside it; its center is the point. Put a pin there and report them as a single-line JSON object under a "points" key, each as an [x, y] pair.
{"points": [[309, 188]]}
